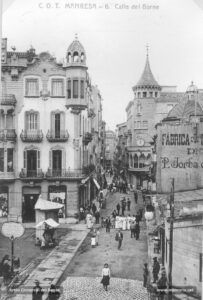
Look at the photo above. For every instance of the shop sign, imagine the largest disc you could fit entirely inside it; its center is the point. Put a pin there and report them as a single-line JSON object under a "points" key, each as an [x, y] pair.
{"points": [[12, 230]]}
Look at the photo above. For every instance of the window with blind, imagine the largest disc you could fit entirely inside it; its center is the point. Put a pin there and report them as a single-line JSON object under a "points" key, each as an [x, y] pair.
{"points": [[75, 88], [82, 89], [32, 120], [32, 87], [1, 159], [69, 89], [57, 88]]}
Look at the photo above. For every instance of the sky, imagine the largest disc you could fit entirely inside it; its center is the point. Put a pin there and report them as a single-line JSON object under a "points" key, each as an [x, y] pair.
{"points": [[115, 35]]}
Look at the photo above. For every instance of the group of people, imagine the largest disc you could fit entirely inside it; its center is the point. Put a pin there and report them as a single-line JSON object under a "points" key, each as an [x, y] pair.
{"points": [[38, 292]]}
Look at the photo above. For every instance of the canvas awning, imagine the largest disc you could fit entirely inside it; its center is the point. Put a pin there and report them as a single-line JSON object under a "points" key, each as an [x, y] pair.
{"points": [[49, 222], [96, 183], [43, 204]]}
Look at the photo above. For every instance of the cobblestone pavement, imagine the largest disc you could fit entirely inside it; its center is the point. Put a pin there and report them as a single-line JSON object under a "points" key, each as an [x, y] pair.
{"points": [[87, 288]]}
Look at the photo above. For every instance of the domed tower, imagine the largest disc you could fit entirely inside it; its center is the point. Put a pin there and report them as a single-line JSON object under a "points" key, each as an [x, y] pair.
{"points": [[77, 77], [147, 86], [76, 54], [192, 91]]}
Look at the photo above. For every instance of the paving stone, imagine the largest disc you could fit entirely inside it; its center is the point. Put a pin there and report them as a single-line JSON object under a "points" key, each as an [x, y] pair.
{"points": [[88, 288]]}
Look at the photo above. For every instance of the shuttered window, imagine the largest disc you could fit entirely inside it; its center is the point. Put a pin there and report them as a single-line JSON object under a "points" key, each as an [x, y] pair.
{"points": [[32, 121], [75, 88], [2, 159], [32, 87], [57, 88], [69, 89], [82, 89]]}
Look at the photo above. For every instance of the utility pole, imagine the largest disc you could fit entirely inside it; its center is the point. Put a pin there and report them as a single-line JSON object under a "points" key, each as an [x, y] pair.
{"points": [[171, 240]]}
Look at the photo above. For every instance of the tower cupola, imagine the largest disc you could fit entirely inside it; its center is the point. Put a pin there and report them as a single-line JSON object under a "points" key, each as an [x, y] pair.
{"points": [[76, 53], [147, 86]]}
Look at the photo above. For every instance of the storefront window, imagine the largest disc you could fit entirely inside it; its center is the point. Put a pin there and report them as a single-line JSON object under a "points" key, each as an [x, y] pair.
{"points": [[3, 202]]}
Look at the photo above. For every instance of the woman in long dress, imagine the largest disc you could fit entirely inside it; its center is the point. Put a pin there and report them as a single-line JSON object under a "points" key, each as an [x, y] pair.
{"points": [[105, 276]]}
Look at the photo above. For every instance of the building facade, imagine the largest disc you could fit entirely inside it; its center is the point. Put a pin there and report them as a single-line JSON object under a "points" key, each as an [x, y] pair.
{"points": [[150, 105], [110, 147], [48, 112]]}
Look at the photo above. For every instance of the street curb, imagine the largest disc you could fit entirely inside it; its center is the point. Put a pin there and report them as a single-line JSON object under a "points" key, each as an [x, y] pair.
{"points": [[60, 273]]}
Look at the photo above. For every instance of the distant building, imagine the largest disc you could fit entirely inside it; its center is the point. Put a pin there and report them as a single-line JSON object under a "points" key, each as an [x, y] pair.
{"points": [[110, 146], [120, 153], [151, 104], [179, 145]]}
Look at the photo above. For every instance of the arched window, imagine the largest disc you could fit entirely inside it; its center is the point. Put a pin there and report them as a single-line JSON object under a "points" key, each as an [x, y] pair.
{"points": [[69, 57], [82, 57], [75, 56], [142, 161], [135, 161], [131, 161]]}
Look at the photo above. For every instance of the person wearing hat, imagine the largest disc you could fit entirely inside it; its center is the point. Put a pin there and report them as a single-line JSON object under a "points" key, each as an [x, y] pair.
{"points": [[145, 275], [155, 269], [54, 293], [37, 291], [105, 276]]}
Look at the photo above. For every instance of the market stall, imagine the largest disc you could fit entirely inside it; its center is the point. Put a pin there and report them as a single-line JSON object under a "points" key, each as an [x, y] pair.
{"points": [[46, 216]]}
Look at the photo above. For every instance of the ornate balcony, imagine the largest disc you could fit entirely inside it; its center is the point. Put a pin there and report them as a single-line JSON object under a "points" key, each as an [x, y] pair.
{"points": [[29, 136], [76, 104], [87, 138], [7, 175], [31, 174], [64, 173], [62, 136], [8, 99], [7, 135]]}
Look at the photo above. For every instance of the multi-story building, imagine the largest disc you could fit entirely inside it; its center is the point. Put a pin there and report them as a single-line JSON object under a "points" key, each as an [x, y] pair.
{"points": [[103, 143], [151, 104], [110, 147], [46, 130], [120, 155]]}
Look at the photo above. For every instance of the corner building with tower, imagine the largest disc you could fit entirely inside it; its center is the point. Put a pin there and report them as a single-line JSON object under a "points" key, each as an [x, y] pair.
{"points": [[50, 137]]}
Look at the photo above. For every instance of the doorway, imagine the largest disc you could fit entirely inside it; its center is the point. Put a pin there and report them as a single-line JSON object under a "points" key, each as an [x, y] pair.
{"points": [[28, 210]]}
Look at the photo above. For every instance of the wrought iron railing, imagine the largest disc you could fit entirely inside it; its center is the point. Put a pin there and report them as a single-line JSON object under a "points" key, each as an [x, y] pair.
{"points": [[8, 99], [8, 135], [26, 173], [61, 136], [31, 136]]}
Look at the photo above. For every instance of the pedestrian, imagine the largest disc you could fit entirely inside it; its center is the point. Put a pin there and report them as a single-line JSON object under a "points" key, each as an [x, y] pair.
{"points": [[54, 293], [93, 238], [94, 208], [145, 275], [137, 230], [37, 291], [155, 269], [108, 224], [123, 208], [162, 285], [128, 204], [132, 229], [118, 208], [135, 196], [103, 221], [119, 238], [97, 216], [105, 276]]}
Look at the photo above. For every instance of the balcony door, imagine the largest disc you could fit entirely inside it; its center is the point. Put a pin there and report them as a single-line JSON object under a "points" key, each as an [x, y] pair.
{"points": [[31, 163], [57, 162], [57, 125]]}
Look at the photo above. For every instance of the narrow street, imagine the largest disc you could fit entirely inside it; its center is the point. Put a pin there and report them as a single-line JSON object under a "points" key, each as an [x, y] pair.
{"points": [[81, 279]]}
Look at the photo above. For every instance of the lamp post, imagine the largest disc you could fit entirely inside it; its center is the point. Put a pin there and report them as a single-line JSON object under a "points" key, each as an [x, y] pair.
{"points": [[171, 240]]}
